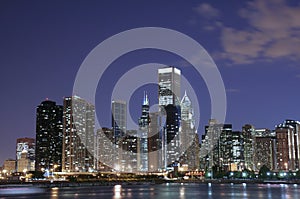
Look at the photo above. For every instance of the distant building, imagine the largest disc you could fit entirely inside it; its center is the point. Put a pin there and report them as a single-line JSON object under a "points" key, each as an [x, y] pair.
{"points": [[285, 147], [105, 145], [25, 152], [209, 152], [119, 127], [25, 164], [265, 152], [9, 166], [130, 152], [263, 132], [79, 135], [216, 147], [237, 160], [296, 125], [248, 143], [154, 142], [49, 135]]}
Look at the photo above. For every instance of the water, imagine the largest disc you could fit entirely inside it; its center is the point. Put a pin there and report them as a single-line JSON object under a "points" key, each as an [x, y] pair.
{"points": [[162, 191]]}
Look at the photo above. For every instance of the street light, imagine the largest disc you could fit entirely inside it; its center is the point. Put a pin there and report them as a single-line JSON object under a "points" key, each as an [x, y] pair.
{"points": [[55, 166], [4, 172], [286, 166]]}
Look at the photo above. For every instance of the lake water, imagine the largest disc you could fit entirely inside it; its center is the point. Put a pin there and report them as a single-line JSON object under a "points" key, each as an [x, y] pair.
{"points": [[161, 191]]}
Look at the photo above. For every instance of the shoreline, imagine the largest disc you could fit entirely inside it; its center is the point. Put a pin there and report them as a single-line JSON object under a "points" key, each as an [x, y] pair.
{"points": [[48, 184]]}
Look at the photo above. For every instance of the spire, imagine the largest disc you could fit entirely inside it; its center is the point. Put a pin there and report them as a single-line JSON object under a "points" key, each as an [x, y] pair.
{"points": [[185, 100], [146, 100]]}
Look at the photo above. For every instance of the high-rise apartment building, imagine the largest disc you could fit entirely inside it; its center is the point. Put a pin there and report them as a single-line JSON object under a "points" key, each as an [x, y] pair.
{"points": [[265, 152], [248, 143], [104, 149], [296, 125], [225, 148], [169, 101], [130, 148], [237, 162], [217, 146], [285, 147], [49, 135], [209, 152], [78, 135], [119, 127]]}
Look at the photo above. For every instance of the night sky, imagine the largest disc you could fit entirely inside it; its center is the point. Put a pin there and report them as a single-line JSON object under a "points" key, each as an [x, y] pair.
{"points": [[255, 44]]}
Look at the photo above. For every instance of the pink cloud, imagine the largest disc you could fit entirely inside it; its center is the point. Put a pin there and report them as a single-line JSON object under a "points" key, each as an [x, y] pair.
{"points": [[273, 32], [207, 10]]}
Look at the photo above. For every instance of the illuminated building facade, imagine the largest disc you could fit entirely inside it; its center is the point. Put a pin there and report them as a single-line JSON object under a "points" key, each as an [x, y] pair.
{"points": [[142, 152], [78, 135], [188, 136], [285, 147], [25, 154], [119, 127], [169, 101]]}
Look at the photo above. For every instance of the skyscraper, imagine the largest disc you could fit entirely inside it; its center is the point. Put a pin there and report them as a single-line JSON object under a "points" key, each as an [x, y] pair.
{"points": [[265, 152], [144, 121], [188, 136], [119, 126], [264, 149], [248, 134], [237, 161], [169, 102], [216, 146], [78, 135], [285, 147], [104, 146], [225, 148], [154, 142], [169, 79], [49, 135], [209, 151], [296, 125], [130, 151]]}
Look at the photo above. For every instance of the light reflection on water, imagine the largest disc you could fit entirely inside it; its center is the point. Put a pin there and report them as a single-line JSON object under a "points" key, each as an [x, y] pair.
{"points": [[162, 191]]}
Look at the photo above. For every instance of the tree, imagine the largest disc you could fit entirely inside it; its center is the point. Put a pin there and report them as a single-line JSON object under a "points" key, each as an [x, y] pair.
{"points": [[263, 172]]}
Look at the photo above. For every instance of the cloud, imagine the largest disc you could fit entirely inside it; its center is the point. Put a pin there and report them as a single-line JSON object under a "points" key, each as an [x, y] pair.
{"points": [[232, 90], [206, 10], [272, 31]]}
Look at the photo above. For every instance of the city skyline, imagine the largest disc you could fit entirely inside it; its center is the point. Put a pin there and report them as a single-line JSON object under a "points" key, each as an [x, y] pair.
{"points": [[221, 146], [43, 45]]}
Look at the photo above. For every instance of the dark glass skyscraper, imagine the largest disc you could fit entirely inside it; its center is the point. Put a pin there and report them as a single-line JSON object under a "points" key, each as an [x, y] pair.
{"points": [[49, 134], [143, 136]]}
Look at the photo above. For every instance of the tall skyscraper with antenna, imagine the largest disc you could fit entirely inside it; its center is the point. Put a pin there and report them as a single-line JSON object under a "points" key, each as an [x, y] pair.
{"points": [[143, 136]]}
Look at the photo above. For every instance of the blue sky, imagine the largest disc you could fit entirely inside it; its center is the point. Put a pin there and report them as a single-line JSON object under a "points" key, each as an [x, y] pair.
{"points": [[255, 45]]}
